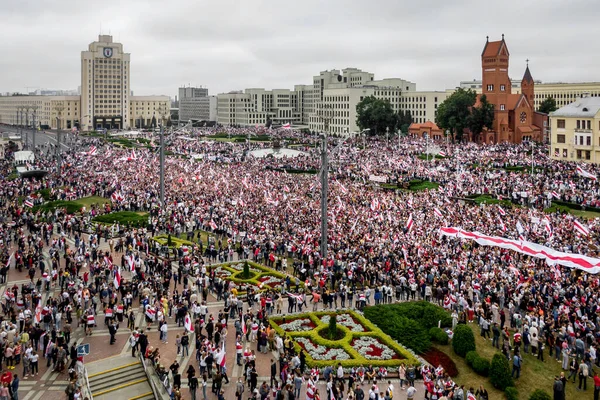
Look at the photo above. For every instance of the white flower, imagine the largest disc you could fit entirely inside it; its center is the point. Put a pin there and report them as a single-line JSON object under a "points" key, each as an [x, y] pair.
{"points": [[298, 325], [366, 345], [345, 320], [270, 279], [318, 352]]}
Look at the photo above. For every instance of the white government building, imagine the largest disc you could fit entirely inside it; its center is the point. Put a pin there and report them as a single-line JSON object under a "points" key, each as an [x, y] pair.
{"points": [[339, 90], [105, 100]]}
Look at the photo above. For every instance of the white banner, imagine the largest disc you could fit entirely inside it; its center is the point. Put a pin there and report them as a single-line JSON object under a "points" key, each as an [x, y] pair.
{"points": [[552, 257], [377, 178]]}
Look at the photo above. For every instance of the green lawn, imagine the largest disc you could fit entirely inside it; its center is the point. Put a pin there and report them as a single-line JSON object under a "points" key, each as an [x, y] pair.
{"points": [[487, 199], [579, 213], [88, 201], [418, 185], [534, 374], [138, 219]]}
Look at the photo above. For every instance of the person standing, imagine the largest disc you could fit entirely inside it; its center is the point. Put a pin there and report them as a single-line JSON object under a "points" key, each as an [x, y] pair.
{"points": [[583, 375], [410, 392], [14, 387], [558, 389], [517, 360], [193, 385], [596, 386]]}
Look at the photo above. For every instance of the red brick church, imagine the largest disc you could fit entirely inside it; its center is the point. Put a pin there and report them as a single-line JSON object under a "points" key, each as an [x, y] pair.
{"points": [[515, 119]]}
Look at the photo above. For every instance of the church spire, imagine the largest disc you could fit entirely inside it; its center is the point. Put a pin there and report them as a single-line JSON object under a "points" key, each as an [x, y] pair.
{"points": [[527, 75]]}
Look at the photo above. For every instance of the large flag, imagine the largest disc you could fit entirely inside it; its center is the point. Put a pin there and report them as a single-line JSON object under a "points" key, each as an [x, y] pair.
{"points": [[585, 174], [555, 194], [92, 152], [581, 228], [588, 264], [286, 126], [213, 225], [187, 322], [29, 203], [244, 327]]}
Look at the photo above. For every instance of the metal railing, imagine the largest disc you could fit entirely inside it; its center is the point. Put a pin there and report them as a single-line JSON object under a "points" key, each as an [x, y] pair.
{"points": [[152, 378], [87, 384]]}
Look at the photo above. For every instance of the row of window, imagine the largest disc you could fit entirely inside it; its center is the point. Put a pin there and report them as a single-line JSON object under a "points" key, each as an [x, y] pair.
{"points": [[490, 88], [581, 154]]}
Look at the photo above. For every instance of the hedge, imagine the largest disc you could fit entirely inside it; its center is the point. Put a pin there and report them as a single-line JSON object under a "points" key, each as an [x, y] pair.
{"points": [[131, 218], [463, 340], [500, 374], [540, 394], [344, 343], [254, 279], [438, 335], [175, 241], [511, 393], [409, 323], [478, 363]]}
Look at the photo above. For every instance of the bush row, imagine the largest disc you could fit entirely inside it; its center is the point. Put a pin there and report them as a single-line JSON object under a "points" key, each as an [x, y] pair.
{"points": [[409, 323], [478, 363], [438, 335]]}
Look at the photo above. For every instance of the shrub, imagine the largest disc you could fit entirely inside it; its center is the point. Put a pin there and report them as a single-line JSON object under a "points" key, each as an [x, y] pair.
{"points": [[332, 327], [471, 357], [500, 375], [408, 332], [511, 393], [438, 335], [437, 357], [540, 394], [481, 366], [246, 274], [463, 340]]}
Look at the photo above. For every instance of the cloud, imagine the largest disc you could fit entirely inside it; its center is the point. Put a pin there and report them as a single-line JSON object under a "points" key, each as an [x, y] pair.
{"points": [[232, 44]]}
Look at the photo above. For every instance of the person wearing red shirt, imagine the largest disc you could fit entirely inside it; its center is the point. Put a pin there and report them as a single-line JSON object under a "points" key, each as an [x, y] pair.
{"points": [[596, 386]]}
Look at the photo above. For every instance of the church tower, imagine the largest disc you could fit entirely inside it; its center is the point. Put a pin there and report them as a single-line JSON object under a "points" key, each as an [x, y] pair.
{"points": [[527, 86], [496, 83]]}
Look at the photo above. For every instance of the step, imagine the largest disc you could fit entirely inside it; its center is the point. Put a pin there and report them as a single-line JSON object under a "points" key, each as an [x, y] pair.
{"points": [[144, 396], [121, 387], [116, 370], [116, 381]]}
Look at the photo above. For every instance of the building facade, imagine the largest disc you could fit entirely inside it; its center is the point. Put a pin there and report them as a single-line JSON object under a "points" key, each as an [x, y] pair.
{"points": [[196, 105], [576, 131], [106, 99]]}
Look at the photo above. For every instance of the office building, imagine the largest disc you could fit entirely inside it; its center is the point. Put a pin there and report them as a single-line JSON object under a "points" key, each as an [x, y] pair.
{"points": [[196, 105], [576, 131], [106, 99]]}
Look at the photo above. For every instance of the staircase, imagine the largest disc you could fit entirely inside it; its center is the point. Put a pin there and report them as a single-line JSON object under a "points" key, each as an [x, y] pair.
{"points": [[126, 380]]}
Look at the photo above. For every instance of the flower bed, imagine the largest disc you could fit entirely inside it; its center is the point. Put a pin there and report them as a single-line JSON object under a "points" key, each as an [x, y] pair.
{"points": [[437, 357], [346, 320], [298, 325], [261, 278], [372, 349], [360, 342]]}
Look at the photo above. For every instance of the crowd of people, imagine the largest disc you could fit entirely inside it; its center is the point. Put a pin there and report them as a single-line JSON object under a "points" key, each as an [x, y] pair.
{"points": [[381, 243]]}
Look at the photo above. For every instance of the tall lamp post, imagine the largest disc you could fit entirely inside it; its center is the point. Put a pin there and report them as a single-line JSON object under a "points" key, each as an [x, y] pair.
{"points": [[20, 114], [34, 127], [27, 108], [325, 114], [59, 109], [161, 112]]}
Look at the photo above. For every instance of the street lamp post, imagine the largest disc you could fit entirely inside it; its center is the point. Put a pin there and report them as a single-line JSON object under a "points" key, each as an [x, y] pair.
{"points": [[59, 109], [161, 113], [387, 135], [325, 113], [399, 137], [34, 112]]}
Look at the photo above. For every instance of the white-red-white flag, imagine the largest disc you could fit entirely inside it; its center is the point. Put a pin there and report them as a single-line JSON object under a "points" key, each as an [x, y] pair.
{"points": [[409, 223], [117, 279], [92, 152], [501, 211], [212, 224], [585, 174], [581, 228], [286, 126], [437, 212], [28, 203]]}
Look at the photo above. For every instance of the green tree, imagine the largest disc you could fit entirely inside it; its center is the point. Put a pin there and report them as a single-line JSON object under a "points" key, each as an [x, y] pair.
{"points": [[454, 112], [376, 115], [404, 120], [463, 340], [500, 374], [246, 273], [481, 117], [548, 105], [540, 394]]}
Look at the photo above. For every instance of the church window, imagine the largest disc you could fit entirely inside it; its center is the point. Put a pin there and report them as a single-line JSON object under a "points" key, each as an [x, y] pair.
{"points": [[502, 88], [490, 88], [502, 107]]}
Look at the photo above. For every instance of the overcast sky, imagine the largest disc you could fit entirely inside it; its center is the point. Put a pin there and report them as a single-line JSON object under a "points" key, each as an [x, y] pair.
{"points": [[231, 45]]}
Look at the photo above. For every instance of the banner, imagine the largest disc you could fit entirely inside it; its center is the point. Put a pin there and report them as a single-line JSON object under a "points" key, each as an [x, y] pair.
{"points": [[378, 178], [552, 257]]}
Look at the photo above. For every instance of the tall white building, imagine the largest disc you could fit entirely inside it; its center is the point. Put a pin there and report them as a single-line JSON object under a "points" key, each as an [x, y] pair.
{"points": [[106, 99], [105, 85], [196, 105]]}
